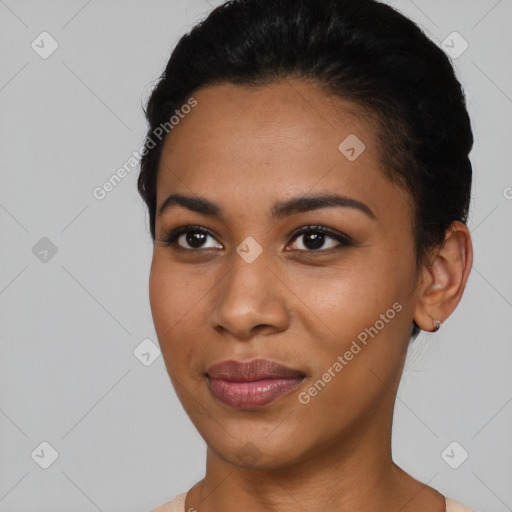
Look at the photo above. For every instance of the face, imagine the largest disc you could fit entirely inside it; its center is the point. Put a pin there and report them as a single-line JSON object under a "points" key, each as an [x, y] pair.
{"points": [[325, 287]]}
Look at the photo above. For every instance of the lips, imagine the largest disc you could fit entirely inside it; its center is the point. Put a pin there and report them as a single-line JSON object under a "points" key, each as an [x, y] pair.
{"points": [[252, 383], [257, 369]]}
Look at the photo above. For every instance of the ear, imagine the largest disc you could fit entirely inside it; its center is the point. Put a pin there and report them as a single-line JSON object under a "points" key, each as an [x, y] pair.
{"points": [[444, 279]]}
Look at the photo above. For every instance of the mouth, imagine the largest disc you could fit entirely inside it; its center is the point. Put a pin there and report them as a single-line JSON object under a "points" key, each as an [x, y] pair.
{"points": [[246, 385]]}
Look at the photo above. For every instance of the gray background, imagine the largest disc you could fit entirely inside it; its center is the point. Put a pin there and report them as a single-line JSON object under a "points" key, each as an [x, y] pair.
{"points": [[69, 324]]}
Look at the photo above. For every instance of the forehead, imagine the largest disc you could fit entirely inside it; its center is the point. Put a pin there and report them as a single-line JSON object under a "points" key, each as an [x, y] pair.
{"points": [[289, 115], [271, 142]]}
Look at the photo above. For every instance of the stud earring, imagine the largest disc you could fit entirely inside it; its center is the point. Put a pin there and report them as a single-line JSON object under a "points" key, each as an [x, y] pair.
{"points": [[437, 325]]}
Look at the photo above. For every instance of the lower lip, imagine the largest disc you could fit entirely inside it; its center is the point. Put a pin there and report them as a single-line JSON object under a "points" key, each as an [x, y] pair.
{"points": [[243, 395]]}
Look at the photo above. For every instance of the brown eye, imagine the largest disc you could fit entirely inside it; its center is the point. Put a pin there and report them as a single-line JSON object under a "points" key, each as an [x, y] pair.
{"points": [[315, 239], [188, 238]]}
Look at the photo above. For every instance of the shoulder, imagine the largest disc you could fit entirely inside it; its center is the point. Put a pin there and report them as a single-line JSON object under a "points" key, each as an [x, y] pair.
{"points": [[455, 506], [177, 504]]}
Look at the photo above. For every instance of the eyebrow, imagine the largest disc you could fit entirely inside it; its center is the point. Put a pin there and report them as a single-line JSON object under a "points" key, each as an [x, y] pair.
{"points": [[279, 210]]}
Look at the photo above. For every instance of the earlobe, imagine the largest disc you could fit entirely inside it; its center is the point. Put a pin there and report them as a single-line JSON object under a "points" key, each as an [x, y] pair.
{"points": [[445, 279]]}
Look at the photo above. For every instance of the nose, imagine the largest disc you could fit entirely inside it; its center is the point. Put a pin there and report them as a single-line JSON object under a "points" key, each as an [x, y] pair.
{"points": [[250, 298]]}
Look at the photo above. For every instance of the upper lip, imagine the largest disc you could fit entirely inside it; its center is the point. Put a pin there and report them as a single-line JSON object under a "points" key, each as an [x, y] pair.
{"points": [[247, 371]]}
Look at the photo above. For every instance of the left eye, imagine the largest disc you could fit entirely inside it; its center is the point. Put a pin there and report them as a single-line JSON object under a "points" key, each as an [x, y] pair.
{"points": [[314, 238]]}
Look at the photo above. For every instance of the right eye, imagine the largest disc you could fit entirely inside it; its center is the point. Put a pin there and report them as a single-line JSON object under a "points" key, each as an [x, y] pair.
{"points": [[191, 238]]}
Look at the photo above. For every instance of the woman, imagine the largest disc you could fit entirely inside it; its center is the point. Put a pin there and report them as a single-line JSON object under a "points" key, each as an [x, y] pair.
{"points": [[308, 204]]}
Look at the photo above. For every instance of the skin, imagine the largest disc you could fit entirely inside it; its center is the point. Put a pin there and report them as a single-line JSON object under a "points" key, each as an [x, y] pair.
{"points": [[246, 149]]}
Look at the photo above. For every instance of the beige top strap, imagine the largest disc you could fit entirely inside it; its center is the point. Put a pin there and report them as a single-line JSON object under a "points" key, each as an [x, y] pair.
{"points": [[455, 506]]}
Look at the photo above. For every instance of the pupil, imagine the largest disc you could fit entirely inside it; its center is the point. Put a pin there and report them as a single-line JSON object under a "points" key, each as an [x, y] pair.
{"points": [[317, 239], [195, 242]]}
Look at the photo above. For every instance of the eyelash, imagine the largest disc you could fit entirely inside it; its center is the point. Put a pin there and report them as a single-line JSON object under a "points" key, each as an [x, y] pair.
{"points": [[171, 237]]}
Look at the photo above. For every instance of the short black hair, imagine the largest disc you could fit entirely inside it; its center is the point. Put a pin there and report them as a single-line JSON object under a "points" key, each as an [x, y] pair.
{"points": [[362, 51]]}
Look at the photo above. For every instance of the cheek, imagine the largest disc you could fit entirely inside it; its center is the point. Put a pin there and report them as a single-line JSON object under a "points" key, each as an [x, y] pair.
{"points": [[160, 296], [170, 294], [362, 303], [176, 306], [347, 298], [362, 322], [168, 301]]}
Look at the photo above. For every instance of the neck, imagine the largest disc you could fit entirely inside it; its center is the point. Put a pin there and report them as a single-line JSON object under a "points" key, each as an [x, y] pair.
{"points": [[355, 474]]}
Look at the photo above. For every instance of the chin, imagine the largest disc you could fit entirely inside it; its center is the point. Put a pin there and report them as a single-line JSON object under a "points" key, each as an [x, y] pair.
{"points": [[257, 453]]}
